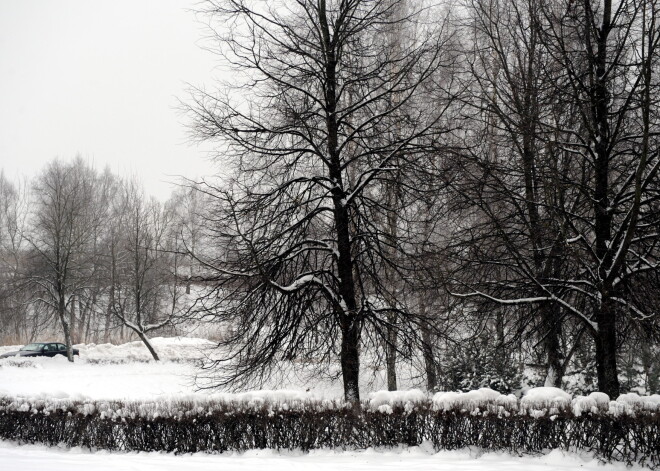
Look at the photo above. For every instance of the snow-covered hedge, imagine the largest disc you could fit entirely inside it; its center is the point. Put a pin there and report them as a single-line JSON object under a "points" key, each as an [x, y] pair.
{"points": [[627, 429], [536, 403]]}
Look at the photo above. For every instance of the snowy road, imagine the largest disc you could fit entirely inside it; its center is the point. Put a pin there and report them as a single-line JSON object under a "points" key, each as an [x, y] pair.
{"points": [[39, 458]]}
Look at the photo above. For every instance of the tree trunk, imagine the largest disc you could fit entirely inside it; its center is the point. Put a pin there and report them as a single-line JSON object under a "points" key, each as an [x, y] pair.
{"points": [[390, 353], [608, 381], [552, 346], [427, 350], [72, 319], [347, 311], [82, 311], [61, 311], [147, 343], [90, 315], [350, 360], [606, 365], [111, 295]]}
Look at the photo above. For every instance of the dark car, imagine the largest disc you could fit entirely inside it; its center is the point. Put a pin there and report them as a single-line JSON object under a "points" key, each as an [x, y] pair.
{"points": [[40, 349]]}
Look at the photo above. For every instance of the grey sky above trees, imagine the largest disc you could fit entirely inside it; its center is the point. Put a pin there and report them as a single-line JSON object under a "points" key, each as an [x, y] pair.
{"points": [[100, 79]]}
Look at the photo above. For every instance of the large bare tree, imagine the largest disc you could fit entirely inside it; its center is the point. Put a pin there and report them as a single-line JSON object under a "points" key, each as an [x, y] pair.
{"points": [[312, 130], [568, 232]]}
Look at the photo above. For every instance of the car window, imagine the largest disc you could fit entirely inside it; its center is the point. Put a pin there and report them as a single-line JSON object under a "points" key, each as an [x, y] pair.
{"points": [[53, 347], [61, 347], [32, 347], [46, 348]]}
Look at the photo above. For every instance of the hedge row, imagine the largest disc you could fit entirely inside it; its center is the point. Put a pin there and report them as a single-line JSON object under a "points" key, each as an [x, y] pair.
{"points": [[626, 439]]}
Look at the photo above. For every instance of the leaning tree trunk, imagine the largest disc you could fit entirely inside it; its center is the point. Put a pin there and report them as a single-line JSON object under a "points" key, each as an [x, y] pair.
{"points": [[147, 343]]}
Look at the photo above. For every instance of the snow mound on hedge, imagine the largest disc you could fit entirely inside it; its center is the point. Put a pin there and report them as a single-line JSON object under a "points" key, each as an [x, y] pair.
{"points": [[546, 395], [633, 404], [473, 401], [174, 407], [594, 403], [266, 397], [541, 402], [384, 401]]}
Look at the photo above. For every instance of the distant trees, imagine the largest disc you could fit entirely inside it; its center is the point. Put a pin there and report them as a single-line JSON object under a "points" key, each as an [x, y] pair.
{"points": [[508, 182], [65, 220], [13, 215], [142, 299], [89, 256]]}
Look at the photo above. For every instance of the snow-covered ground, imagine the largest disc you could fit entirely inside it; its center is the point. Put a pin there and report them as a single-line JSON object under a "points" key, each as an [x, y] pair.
{"points": [[107, 372], [126, 372], [117, 372], [168, 348], [39, 458], [93, 375]]}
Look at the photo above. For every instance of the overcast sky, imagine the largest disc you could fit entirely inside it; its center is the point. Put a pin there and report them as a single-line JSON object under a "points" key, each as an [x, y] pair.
{"points": [[100, 78]]}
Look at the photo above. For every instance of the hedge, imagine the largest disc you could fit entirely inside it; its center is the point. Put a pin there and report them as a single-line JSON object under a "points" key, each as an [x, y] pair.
{"points": [[224, 427]]}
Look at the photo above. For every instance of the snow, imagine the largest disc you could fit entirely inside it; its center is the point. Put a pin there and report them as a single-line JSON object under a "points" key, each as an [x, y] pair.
{"points": [[594, 403], [630, 399], [168, 348], [127, 371], [653, 400], [538, 402], [632, 404], [546, 395], [602, 399], [473, 401], [268, 395], [583, 404], [54, 378], [388, 399], [177, 348], [107, 372], [38, 458]]}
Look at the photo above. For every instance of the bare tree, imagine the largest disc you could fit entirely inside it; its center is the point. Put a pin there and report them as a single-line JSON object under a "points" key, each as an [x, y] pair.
{"points": [[144, 272], [583, 204], [13, 221], [510, 181], [301, 255], [65, 219]]}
